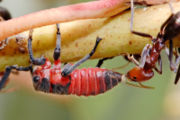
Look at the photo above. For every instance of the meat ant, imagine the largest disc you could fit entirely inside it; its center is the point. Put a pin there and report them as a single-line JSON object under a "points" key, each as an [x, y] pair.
{"points": [[146, 62], [69, 80], [151, 53]]}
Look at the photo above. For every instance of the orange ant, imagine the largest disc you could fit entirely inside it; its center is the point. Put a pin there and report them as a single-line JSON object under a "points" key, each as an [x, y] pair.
{"points": [[151, 53]]}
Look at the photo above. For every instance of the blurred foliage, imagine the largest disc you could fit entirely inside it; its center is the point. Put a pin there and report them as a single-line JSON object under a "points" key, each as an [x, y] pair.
{"points": [[121, 103]]}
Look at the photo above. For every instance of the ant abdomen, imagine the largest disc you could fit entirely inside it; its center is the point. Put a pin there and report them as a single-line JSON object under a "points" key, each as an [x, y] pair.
{"points": [[172, 29]]}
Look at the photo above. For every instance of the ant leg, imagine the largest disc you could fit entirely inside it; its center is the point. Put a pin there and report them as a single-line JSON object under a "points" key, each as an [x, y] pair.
{"points": [[176, 53], [68, 68], [177, 57], [131, 24], [57, 50], [177, 61], [142, 34], [136, 56], [177, 75], [160, 64], [169, 52], [178, 71], [170, 56], [101, 61], [35, 61], [132, 59], [144, 54], [173, 67], [8, 71]]}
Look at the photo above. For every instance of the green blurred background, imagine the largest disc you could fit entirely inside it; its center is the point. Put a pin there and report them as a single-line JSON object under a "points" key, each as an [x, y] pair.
{"points": [[121, 103]]}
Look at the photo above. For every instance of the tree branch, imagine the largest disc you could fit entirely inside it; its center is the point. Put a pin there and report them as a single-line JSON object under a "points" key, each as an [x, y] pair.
{"points": [[89, 10]]}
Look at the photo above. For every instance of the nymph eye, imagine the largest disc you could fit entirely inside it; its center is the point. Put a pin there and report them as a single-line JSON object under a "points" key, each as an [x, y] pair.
{"points": [[36, 79]]}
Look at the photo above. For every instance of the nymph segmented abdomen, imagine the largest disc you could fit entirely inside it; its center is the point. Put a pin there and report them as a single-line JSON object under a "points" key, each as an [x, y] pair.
{"points": [[92, 81]]}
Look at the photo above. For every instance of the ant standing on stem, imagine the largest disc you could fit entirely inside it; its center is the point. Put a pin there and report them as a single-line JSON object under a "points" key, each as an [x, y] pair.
{"points": [[51, 79], [151, 53]]}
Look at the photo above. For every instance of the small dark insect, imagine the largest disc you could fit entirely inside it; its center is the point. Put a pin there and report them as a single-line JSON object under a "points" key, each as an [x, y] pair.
{"points": [[151, 53], [52, 79], [4, 13]]}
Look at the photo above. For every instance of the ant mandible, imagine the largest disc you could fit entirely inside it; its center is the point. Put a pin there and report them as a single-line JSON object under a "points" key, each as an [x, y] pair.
{"points": [[51, 79]]}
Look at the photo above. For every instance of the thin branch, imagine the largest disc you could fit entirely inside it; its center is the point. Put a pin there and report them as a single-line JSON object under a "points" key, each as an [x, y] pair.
{"points": [[89, 10], [95, 9]]}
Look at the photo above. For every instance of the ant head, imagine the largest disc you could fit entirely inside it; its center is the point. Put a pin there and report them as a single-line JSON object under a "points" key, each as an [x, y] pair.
{"points": [[133, 74], [138, 74]]}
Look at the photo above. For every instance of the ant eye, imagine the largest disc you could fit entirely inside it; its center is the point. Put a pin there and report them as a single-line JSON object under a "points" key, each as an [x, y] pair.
{"points": [[134, 78], [36, 79]]}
